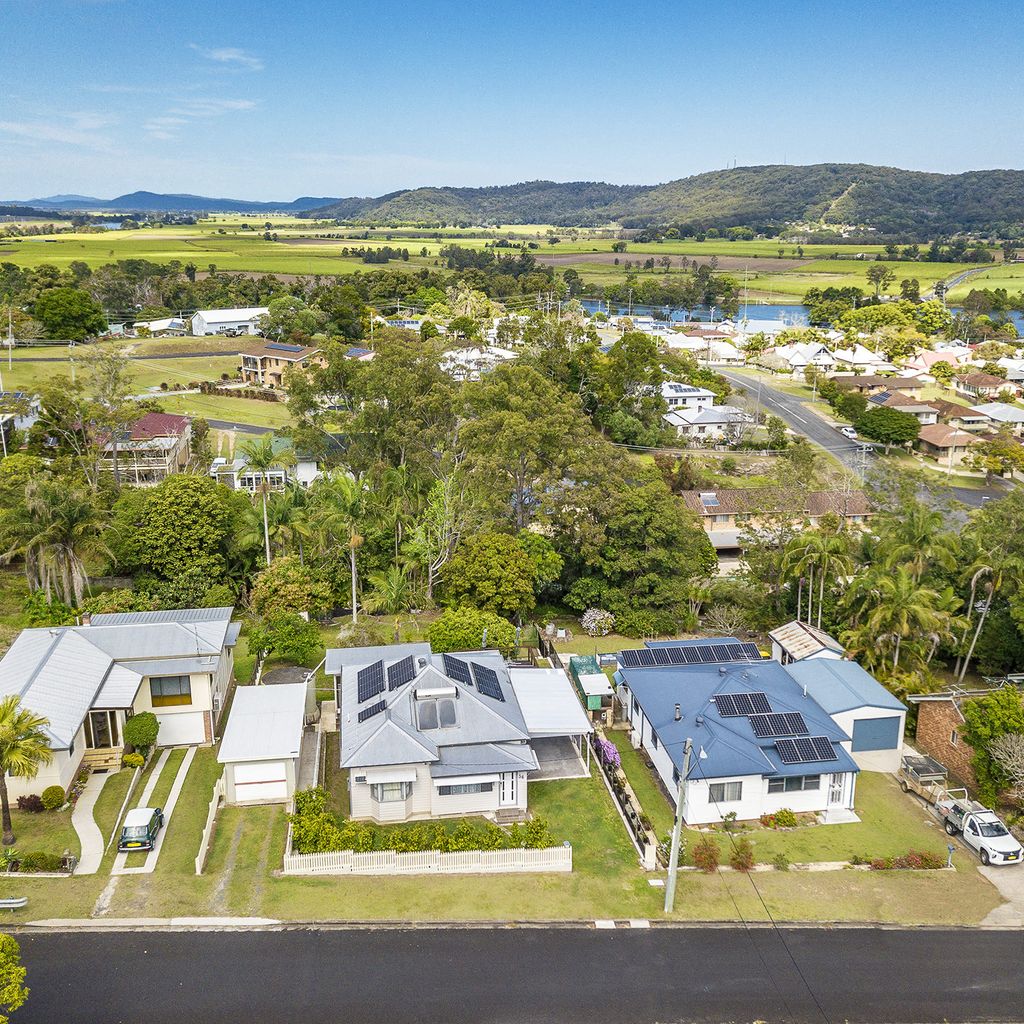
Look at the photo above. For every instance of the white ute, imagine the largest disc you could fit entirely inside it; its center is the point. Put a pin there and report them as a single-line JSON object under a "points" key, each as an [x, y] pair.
{"points": [[980, 829]]}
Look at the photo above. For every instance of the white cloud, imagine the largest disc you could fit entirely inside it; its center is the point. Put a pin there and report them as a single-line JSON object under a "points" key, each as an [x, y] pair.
{"points": [[167, 126], [74, 134], [230, 55]]}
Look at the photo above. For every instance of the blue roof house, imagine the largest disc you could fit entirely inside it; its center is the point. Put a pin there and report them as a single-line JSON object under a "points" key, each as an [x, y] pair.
{"points": [[761, 741]]}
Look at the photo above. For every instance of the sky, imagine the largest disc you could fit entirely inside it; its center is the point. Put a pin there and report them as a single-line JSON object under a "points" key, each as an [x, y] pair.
{"points": [[271, 101]]}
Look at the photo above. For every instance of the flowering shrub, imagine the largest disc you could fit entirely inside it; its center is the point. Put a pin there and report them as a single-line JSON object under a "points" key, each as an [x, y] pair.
{"points": [[133, 760], [913, 860], [608, 753], [597, 622], [782, 818]]}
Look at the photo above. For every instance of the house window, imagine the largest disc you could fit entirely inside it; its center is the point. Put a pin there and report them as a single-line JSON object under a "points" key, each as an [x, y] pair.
{"points": [[725, 792], [675, 776], [465, 788], [636, 706], [389, 792], [796, 784], [953, 738], [169, 691], [722, 518], [654, 740]]}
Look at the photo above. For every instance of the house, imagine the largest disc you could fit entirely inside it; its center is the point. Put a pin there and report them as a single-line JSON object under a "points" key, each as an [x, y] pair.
{"points": [[265, 366], [800, 641], [470, 363], [726, 514], [924, 360], [153, 448], [427, 735], [1002, 414], [262, 743], [961, 416], [713, 423], [86, 680], [165, 327], [235, 473], [864, 709], [861, 360], [1014, 369], [679, 396], [760, 741], [797, 356], [940, 723], [945, 443], [871, 383], [978, 384], [232, 322], [360, 355], [18, 411], [923, 412]]}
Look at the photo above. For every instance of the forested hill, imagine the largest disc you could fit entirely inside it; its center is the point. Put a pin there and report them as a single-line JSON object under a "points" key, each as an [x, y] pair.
{"points": [[885, 198]]}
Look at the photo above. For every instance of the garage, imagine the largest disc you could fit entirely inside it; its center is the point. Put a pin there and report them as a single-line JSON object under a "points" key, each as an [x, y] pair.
{"points": [[262, 743], [184, 727]]}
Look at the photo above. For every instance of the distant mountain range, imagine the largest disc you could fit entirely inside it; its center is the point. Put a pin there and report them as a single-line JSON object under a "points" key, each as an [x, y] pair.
{"points": [[886, 199]]}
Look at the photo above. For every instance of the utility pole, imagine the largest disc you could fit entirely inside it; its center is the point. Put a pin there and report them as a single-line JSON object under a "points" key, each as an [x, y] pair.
{"points": [[677, 828], [10, 335]]}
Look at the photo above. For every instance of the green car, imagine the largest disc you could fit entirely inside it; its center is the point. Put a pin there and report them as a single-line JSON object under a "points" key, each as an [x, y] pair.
{"points": [[140, 828]]}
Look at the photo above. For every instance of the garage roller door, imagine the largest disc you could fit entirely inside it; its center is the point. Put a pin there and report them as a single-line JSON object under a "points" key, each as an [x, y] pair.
{"points": [[184, 727], [264, 780]]}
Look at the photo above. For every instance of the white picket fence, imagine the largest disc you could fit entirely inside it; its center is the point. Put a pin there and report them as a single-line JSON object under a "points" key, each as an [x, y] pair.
{"points": [[211, 821], [427, 862]]}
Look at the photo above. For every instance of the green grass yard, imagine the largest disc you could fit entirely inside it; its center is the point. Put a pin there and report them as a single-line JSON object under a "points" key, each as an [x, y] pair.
{"points": [[234, 410]]}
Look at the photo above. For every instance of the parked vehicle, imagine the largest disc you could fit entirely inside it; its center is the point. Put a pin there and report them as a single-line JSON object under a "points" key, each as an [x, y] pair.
{"points": [[140, 828], [980, 829], [924, 776], [849, 433]]}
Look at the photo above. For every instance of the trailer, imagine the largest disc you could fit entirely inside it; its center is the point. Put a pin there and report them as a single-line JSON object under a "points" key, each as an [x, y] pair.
{"points": [[924, 776]]}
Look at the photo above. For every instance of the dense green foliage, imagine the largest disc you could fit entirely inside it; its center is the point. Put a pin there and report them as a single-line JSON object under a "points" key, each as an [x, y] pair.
{"points": [[470, 629], [140, 731]]}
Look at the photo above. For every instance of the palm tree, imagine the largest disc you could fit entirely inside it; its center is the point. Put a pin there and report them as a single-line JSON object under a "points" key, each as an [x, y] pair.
{"points": [[55, 529], [339, 504], [391, 591], [996, 573], [261, 458], [917, 538], [23, 748]]}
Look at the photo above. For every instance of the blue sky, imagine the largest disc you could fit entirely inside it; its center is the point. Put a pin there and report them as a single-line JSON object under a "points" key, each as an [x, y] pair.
{"points": [[272, 101]]}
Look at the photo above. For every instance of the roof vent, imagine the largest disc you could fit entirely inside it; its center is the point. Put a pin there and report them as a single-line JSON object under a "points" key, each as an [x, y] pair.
{"points": [[699, 719], [722, 670], [679, 713], [421, 663]]}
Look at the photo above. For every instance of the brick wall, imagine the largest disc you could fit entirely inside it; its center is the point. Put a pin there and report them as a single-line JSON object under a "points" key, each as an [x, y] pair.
{"points": [[936, 721]]}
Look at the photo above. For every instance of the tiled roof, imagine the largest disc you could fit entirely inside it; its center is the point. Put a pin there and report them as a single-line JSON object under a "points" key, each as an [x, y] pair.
{"points": [[159, 424], [982, 380], [942, 435]]}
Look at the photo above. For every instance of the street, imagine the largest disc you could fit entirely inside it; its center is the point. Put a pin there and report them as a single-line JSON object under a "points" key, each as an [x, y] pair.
{"points": [[535, 975], [798, 417]]}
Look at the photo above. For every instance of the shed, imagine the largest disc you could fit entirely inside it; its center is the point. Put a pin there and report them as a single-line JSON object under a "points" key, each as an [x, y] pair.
{"points": [[262, 743], [592, 684], [864, 709]]}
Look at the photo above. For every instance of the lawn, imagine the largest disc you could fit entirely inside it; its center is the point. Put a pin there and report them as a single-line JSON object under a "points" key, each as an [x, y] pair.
{"points": [[246, 411], [109, 802], [45, 832], [653, 801]]}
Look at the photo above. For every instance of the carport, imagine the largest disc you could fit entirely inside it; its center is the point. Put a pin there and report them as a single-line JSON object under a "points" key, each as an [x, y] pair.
{"points": [[556, 721]]}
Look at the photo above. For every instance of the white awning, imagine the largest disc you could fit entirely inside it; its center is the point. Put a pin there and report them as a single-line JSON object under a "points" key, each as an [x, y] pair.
{"points": [[376, 775], [464, 780], [548, 702]]}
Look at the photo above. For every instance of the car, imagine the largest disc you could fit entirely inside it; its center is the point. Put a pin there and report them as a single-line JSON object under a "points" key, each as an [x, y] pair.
{"points": [[849, 433], [140, 829], [981, 830]]}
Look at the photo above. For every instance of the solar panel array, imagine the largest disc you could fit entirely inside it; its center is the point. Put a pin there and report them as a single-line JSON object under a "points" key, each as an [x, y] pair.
{"points": [[711, 653], [806, 749], [733, 705], [787, 723], [373, 709], [487, 682], [457, 669], [370, 681], [401, 672], [281, 346]]}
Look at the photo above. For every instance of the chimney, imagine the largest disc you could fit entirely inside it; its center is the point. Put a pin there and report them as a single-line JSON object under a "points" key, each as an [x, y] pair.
{"points": [[679, 713]]}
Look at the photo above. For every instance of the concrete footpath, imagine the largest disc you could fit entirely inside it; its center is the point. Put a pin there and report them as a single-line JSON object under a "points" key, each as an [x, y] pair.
{"points": [[85, 826]]}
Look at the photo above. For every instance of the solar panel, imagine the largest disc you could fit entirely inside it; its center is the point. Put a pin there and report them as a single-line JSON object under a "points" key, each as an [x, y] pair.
{"points": [[788, 723], [806, 749], [373, 709], [706, 655], [722, 652], [401, 672], [733, 705], [487, 682], [280, 346], [371, 681], [676, 655], [751, 651], [456, 668], [629, 659], [646, 656], [691, 656]]}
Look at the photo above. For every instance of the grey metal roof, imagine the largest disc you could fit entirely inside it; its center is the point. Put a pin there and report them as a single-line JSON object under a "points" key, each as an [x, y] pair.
{"points": [[484, 759], [393, 736], [174, 666], [169, 615], [265, 723], [120, 688]]}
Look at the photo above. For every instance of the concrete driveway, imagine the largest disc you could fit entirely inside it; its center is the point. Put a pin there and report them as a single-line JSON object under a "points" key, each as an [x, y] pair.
{"points": [[558, 759], [1009, 880]]}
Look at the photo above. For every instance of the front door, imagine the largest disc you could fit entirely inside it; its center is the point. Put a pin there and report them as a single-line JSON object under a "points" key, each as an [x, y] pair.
{"points": [[101, 730], [507, 795], [836, 785]]}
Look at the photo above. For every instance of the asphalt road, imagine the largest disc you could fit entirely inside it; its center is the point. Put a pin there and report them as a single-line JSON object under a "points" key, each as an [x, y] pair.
{"points": [[534, 976], [797, 416]]}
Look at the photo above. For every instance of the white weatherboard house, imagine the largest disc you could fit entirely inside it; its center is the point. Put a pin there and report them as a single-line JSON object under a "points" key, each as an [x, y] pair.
{"points": [[686, 396], [242, 320], [86, 680], [761, 739], [262, 743], [428, 735]]}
